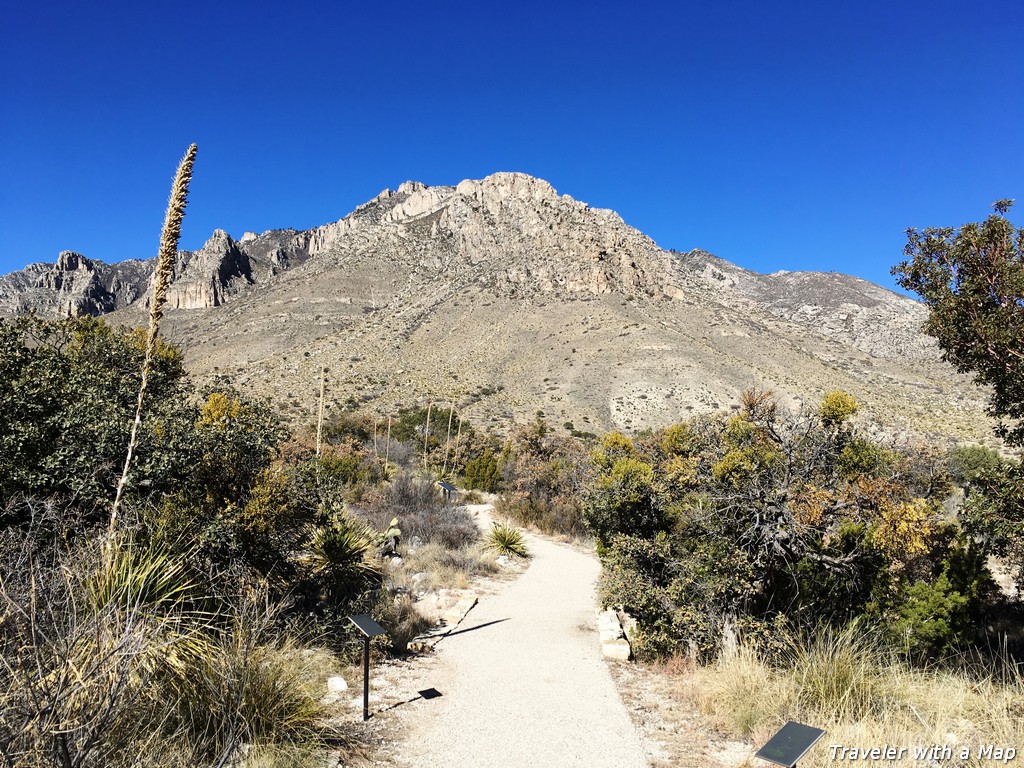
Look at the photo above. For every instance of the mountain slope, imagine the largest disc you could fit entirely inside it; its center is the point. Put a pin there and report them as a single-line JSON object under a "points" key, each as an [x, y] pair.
{"points": [[507, 298]]}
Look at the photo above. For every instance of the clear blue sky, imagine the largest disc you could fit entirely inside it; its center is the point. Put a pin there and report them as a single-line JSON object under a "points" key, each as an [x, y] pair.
{"points": [[778, 135]]}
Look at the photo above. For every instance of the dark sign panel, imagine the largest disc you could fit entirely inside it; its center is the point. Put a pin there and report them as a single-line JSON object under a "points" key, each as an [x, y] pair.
{"points": [[367, 626], [790, 744]]}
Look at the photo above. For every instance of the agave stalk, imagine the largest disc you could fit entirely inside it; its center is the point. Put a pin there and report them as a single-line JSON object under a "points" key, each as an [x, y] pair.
{"points": [[169, 238], [320, 417], [448, 439]]}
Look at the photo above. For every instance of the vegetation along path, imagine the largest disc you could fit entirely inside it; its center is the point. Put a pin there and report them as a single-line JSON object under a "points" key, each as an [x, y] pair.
{"points": [[522, 678]]}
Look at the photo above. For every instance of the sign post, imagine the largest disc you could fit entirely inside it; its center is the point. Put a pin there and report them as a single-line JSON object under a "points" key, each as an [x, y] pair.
{"points": [[370, 629], [789, 744]]}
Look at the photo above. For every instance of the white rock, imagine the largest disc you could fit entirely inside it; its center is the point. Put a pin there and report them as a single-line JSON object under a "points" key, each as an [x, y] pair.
{"points": [[616, 650], [608, 626], [336, 684]]}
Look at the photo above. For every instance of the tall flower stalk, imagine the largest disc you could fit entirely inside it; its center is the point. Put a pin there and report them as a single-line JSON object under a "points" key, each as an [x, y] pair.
{"points": [[169, 238]]}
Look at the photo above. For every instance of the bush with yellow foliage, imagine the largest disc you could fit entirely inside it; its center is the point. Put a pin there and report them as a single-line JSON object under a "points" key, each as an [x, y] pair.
{"points": [[772, 515]]}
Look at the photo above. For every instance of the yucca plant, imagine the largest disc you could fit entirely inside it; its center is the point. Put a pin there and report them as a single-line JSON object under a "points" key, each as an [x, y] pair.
{"points": [[341, 557], [83, 640], [506, 540]]}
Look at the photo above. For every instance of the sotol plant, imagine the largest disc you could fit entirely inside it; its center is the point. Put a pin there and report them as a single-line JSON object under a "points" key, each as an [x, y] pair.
{"points": [[506, 540]]}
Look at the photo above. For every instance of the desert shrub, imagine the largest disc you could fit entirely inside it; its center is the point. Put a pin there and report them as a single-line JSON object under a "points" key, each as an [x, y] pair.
{"points": [[342, 427], [993, 514], [624, 499], [836, 407], [237, 438], [402, 620], [544, 479], [861, 457], [968, 464], [505, 540], [559, 516], [68, 396], [450, 526], [345, 463], [421, 513], [932, 618], [259, 535], [483, 473], [682, 593], [430, 566], [770, 514], [611, 448]]}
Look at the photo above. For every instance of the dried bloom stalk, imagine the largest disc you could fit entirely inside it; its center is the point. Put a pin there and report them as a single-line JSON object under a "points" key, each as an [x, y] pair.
{"points": [[169, 238]]}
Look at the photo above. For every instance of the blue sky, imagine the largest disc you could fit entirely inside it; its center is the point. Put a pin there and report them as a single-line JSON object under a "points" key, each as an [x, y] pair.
{"points": [[778, 135]]}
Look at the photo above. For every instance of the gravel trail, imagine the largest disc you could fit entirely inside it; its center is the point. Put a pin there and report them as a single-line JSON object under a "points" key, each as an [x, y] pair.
{"points": [[522, 678]]}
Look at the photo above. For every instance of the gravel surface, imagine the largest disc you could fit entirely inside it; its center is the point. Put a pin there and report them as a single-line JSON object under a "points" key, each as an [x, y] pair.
{"points": [[522, 678]]}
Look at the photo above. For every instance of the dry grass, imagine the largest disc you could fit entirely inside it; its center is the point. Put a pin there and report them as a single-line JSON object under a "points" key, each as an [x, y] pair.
{"points": [[862, 697], [104, 661], [443, 568]]}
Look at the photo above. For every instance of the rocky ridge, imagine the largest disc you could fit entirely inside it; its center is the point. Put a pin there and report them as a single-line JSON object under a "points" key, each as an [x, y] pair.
{"points": [[504, 296]]}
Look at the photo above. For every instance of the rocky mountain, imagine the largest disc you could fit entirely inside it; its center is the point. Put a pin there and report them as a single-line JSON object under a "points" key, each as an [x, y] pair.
{"points": [[504, 298], [73, 286]]}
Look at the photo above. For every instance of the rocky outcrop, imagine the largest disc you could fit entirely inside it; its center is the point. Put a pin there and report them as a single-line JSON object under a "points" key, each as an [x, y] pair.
{"points": [[509, 233], [203, 278], [73, 286]]}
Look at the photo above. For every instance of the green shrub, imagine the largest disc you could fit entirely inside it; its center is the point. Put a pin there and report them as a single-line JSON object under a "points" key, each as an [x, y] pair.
{"points": [[625, 499], [68, 398], [932, 618], [836, 407], [968, 464], [682, 592], [483, 473]]}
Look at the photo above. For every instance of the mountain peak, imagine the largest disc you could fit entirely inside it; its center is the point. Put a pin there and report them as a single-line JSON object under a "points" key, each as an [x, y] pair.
{"points": [[69, 261]]}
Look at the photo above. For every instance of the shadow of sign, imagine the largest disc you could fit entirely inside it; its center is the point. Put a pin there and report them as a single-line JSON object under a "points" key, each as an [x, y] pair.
{"points": [[473, 629], [426, 694]]}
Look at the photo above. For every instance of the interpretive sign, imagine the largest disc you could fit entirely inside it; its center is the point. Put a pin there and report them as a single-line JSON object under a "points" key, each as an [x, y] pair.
{"points": [[369, 628], [791, 743]]}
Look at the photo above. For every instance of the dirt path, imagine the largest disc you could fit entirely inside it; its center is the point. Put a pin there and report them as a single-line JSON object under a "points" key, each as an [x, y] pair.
{"points": [[522, 679]]}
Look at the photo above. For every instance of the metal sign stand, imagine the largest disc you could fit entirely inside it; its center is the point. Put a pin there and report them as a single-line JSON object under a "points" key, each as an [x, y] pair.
{"points": [[370, 629]]}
